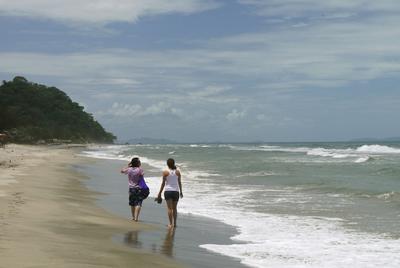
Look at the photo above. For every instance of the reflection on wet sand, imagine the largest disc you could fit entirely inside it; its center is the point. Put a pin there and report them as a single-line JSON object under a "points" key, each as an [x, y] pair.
{"points": [[165, 247], [168, 245], [132, 238]]}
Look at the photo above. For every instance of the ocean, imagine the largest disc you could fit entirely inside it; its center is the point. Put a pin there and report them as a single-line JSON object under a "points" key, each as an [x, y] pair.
{"points": [[292, 204]]}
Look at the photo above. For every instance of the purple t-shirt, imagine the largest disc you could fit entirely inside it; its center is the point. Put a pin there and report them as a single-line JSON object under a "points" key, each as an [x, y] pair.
{"points": [[134, 176]]}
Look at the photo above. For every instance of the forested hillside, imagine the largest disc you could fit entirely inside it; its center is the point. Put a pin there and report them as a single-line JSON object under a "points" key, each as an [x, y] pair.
{"points": [[31, 112]]}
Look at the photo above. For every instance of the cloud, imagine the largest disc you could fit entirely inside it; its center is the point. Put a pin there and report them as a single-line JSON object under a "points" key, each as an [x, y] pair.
{"points": [[312, 53], [325, 55], [135, 110], [156, 109], [101, 11], [210, 91], [230, 70], [261, 117], [319, 10], [118, 109], [328, 54], [110, 81], [235, 115]]}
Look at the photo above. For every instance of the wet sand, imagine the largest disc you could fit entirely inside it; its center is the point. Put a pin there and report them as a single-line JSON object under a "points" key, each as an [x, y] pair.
{"points": [[48, 217], [183, 244]]}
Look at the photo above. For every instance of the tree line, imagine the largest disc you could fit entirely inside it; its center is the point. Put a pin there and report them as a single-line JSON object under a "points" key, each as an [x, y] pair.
{"points": [[31, 112]]}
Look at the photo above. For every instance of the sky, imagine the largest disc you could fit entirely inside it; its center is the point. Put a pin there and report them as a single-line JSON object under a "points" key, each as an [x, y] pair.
{"points": [[214, 70]]}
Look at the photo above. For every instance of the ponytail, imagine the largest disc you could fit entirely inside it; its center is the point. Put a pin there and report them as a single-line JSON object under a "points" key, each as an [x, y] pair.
{"points": [[171, 164]]}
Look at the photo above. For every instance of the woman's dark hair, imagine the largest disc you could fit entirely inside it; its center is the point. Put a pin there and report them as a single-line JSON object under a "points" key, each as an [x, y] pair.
{"points": [[171, 163], [135, 162]]}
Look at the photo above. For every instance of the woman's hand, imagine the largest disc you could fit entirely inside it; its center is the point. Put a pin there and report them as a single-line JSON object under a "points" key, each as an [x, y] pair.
{"points": [[125, 169], [158, 199]]}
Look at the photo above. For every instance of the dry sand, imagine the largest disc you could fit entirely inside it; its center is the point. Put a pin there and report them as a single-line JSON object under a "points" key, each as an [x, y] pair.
{"points": [[48, 218]]}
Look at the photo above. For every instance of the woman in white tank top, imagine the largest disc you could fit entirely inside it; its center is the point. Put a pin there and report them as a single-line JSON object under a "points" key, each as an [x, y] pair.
{"points": [[172, 186]]}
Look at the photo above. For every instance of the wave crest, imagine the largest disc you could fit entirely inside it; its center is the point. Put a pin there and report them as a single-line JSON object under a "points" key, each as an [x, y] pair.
{"points": [[378, 149], [389, 196]]}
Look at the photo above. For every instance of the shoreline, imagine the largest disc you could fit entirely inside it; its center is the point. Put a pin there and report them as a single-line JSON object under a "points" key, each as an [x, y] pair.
{"points": [[49, 218], [183, 244]]}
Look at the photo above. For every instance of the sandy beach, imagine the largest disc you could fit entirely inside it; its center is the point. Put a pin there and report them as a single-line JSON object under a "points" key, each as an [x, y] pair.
{"points": [[184, 245], [48, 218]]}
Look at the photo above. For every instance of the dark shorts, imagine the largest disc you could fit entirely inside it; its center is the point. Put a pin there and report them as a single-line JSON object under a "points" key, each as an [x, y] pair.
{"points": [[171, 195], [136, 196]]}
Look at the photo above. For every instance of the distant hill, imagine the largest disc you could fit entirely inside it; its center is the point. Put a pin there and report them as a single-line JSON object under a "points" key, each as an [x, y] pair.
{"points": [[364, 139], [390, 139], [31, 112], [149, 141]]}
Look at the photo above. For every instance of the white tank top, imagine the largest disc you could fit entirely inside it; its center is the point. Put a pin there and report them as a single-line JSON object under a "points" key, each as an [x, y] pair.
{"points": [[171, 183]]}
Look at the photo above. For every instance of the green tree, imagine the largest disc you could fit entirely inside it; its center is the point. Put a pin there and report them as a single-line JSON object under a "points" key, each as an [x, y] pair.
{"points": [[33, 112]]}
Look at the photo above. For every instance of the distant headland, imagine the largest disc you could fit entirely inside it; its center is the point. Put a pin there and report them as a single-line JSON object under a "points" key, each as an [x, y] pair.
{"points": [[34, 113]]}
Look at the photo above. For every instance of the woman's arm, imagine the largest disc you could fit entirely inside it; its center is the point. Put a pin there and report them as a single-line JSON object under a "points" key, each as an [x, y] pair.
{"points": [[179, 182], [124, 170], [165, 175]]}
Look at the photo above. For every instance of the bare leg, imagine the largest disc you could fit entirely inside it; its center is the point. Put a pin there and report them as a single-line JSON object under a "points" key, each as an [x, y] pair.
{"points": [[133, 212], [175, 211], [170, 210], [136, 213]]}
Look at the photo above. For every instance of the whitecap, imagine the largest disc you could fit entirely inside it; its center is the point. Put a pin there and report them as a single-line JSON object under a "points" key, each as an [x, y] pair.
{"points": [[378, 149], [389, 195], [362, 159], [256, 174]]}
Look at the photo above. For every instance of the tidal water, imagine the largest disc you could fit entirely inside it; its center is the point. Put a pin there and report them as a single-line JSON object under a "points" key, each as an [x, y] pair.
{"points": [[293, 204]]}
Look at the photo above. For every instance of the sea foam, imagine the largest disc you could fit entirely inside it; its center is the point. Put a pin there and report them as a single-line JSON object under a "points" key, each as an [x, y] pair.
{"points": [[378, 149], [269, 240]]}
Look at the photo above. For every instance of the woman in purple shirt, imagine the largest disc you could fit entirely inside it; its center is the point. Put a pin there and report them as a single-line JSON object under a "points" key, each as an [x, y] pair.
{"points": [[138, 189]]}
